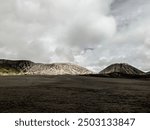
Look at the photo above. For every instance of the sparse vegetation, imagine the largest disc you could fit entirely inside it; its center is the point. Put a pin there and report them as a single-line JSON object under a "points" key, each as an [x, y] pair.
{"points": [[8, 71]]}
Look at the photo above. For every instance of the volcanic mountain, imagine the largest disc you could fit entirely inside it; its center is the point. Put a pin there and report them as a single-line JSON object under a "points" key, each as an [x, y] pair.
{"points": [[121, 69], [29, 67]]}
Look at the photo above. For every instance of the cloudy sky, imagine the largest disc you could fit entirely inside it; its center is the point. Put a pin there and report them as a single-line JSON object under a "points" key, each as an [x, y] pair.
{"points": [[91, 33]]}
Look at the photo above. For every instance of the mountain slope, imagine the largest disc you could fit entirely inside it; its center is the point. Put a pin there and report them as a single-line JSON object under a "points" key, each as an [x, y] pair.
{"points": [[28, 67], [121, 69], [14, 66], [57, 69]]}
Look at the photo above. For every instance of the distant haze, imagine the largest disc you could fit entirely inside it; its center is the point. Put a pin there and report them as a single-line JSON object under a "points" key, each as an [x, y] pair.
{"points": [[91, 33]]}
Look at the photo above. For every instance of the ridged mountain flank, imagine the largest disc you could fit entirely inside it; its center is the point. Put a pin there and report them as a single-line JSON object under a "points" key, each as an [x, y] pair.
{"points": [[122, 68], [29, 67], [57, 69]]}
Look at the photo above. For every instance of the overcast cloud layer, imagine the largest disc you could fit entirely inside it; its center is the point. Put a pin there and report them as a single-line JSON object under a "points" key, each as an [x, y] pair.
{"points": [[91, 33]]}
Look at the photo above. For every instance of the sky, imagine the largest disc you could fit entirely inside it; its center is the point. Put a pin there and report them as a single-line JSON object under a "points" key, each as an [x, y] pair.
{"points": [[90, 33]]}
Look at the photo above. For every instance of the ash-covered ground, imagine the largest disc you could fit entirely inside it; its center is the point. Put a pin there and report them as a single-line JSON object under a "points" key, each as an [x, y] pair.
{"points": [[68, 93]]}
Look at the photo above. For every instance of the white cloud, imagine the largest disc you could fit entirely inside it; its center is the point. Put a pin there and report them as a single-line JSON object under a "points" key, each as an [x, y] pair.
{"points": [[64, 30]]}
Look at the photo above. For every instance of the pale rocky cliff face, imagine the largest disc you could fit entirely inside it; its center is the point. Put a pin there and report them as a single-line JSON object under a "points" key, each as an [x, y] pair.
{"points": [[57, 69], [28, 67], [122, 68]]}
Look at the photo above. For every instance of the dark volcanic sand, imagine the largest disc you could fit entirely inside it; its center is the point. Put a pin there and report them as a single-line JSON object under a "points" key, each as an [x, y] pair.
{"points": [[73, 94]]}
